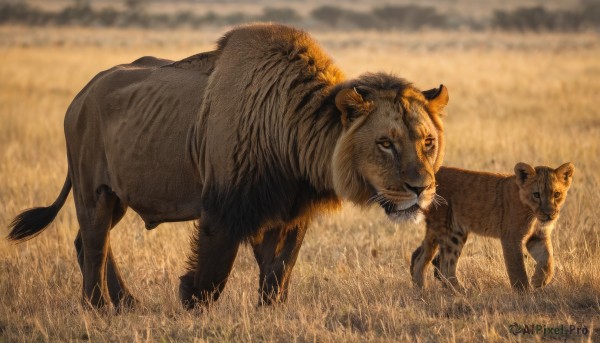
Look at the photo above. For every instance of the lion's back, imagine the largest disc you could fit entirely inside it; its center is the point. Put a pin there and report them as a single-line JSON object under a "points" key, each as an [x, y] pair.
{"points": [[128, 127]]}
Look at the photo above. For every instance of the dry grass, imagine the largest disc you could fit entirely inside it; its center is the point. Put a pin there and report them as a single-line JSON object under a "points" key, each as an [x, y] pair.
{"points": [[513, 98]]}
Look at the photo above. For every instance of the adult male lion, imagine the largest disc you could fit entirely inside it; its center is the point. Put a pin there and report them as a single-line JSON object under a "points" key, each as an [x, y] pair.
{"points": [[254, 139]]}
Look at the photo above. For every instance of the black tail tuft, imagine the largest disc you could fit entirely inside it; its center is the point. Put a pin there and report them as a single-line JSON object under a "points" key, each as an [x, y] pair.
{"points": [[31, 223]]}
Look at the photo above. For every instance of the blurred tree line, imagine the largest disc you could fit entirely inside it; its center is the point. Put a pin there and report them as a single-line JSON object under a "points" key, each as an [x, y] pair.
{"points": [[586, 16]]}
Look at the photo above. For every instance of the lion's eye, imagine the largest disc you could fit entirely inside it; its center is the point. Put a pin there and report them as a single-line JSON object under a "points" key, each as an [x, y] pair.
{"points": [[429, 142], [557, 195], [385, 144], [536, 195]]}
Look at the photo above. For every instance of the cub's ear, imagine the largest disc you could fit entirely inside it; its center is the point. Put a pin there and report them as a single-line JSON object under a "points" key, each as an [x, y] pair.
{"points": [[523, 171], [565, 173], [437, 99], [351, 105]]}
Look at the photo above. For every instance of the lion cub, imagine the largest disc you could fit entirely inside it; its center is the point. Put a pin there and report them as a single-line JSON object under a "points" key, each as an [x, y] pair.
{"points": [[519, 209]]}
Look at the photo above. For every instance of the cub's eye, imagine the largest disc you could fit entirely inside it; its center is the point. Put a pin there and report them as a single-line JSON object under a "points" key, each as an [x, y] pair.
{"points": [[429, 142], [385, 144], [536, 195], [557, 195]]}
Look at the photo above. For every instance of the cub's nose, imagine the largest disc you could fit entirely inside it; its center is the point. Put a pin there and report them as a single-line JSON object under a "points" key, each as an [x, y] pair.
{"points": [[550, 214], [416, 190]]}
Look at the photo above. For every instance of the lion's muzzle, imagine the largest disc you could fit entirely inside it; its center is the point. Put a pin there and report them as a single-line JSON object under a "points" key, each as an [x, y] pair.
{"points": [[408, 205]]}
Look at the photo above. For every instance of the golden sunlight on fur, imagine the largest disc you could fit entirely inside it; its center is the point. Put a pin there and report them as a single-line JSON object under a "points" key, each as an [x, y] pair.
{"points": [[248, 139], [520, 209], [515, 97]]}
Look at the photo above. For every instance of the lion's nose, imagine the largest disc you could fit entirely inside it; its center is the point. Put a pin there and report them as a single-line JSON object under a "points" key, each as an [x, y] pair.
{"points": [[417, 190]]}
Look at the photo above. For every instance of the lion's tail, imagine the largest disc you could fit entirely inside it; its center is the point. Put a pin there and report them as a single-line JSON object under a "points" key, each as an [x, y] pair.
{"points": [[33, 221]]}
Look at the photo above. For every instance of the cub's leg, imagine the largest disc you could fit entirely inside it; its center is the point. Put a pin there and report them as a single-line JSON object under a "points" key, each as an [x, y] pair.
{"points": [[276, 251], [436, 267], [512, 248], [95, 221], [540, 248], [451, 245], [421, 258], [213, 254]]}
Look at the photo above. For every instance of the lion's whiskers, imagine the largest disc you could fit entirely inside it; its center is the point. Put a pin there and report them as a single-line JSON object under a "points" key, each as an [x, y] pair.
{"points": [[376, 198], [438, 200]]}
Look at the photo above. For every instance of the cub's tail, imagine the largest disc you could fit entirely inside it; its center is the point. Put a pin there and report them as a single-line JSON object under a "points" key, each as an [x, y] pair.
{"points": [[32, 222]]}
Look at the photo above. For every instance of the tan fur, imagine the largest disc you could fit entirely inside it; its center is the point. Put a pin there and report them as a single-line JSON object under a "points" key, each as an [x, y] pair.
{"points": [[499, 206]]}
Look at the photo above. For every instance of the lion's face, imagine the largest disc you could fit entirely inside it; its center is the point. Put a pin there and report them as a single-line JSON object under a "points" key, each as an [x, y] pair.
{"points": [[544, 189], [391, 148]]}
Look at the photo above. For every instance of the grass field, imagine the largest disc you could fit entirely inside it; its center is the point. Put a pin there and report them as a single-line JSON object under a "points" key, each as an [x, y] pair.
{"points": [[531, 98]]}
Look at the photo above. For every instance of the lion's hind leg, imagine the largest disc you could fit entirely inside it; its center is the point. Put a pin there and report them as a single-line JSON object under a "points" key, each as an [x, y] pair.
{"points": [[119, 292], [117, 289], [276, 251], [95, 222]]}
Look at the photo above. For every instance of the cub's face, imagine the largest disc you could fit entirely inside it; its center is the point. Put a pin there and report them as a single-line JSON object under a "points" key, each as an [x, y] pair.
{"points": [[389, 154], [544, 189]]}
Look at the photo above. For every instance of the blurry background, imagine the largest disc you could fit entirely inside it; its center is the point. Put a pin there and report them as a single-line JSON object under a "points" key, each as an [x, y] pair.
{"points": [[524, 83], [526, 15]]}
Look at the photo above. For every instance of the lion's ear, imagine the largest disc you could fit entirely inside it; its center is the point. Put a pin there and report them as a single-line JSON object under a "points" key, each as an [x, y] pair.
{"points": [[437, 99], [523, 171], [351, 105], [565, 173]]}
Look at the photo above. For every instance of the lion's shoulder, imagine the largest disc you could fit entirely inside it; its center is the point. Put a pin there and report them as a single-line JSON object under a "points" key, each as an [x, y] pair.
{"points": [[266, 34], [264, 46]]}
